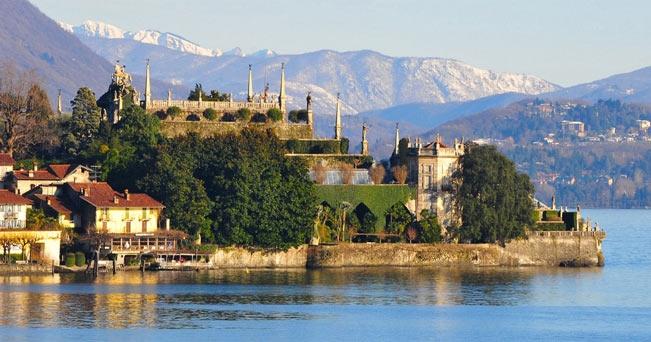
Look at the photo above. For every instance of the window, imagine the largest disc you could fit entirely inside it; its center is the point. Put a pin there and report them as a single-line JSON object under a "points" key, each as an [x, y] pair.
{"points": [[128, 227], [144, 226], [126, 213], [427, 182]]}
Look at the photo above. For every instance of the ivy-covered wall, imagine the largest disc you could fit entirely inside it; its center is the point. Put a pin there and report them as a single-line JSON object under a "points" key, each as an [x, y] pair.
{"points": [[378, 198], [209, 128]]}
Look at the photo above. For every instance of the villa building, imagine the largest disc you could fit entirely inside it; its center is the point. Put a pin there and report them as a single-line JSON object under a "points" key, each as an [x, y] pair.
{"points": [[40, 245], [47, 180], [430, 167]]}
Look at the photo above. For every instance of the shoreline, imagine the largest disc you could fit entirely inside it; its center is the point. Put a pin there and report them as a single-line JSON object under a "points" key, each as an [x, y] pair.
{"points": [[538, 249]]}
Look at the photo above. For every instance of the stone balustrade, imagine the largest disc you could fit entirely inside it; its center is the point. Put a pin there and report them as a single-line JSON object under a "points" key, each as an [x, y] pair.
{"points": [[187, 105]]}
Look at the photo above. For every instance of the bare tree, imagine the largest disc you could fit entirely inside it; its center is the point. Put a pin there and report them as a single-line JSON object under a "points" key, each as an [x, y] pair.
{"points": [[346, 173], [24, 110], [377, 174], [411, 234], [319, 173], [400, 174]]}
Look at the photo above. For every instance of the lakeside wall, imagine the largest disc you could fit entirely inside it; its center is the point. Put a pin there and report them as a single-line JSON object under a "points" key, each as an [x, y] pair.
{"points": [[539, 249]]}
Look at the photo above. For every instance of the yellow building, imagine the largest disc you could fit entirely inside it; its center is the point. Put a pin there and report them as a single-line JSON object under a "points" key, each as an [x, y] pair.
{"points": [[104, 210]]}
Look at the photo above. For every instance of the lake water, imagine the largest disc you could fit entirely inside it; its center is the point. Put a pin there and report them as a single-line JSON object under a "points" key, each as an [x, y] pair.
{"points": [[609, 303]]}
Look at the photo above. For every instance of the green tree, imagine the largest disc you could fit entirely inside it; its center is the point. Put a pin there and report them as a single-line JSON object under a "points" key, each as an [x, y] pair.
{"points": [[244, 114], [495, 200], [275, 114], [429, 229], [174, 111], [210, 114], [83, 127], [259, 197], [186, 202], [398, 218]]}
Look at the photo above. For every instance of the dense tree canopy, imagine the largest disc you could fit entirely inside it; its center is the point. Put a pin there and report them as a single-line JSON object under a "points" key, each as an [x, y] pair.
{"points": [[495, 200], [256, 195]]}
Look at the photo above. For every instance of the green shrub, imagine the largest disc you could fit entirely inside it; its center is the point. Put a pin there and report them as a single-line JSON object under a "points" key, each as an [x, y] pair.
{"points": [[70, 259], [552, 226], [229, 117], [244, 114], [161, 114], [343, 145], [551, 215], [316, 146], [210, 114], [80, 259], [297, 116], [174, 111], [275, 114], [259, 118], [193, 117]]}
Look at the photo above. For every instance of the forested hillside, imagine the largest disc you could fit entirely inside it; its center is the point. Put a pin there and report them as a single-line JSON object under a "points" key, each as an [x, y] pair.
{"points": [[606, 165]]}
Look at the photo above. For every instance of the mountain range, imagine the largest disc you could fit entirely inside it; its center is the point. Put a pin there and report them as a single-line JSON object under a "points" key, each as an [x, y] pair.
{"points": [[367, 80], [29, 40], [379, 90]]}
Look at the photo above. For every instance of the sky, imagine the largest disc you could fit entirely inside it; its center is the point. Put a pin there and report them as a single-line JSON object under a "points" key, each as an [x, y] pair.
{"points": [[563, 41]]}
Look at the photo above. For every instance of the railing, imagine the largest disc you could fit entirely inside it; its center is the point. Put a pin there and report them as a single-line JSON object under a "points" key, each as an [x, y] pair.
{"points": [[196, 105], [591, 233]]}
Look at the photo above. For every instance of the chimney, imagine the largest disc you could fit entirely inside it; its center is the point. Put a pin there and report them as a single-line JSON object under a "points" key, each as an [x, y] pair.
{"points": [[115, 199], [35, 166], [48, 201], [30, 173], [126, 194], [167, 224]]}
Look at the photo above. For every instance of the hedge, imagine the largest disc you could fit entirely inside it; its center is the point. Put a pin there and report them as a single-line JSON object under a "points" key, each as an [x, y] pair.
{"points": [[297, 116], [317, 146], [552, 226], [378, 198]]}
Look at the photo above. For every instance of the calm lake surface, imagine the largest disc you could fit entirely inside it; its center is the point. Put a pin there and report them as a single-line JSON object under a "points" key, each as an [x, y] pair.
{"points": [[610, 303]]}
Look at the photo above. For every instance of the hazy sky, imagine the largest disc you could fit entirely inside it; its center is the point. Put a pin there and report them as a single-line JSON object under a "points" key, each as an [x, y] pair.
{"points": [[563, 41]]}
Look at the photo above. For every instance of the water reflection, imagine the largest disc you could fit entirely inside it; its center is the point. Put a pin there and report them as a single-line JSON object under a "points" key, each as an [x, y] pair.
{"points": [[190, 300]]}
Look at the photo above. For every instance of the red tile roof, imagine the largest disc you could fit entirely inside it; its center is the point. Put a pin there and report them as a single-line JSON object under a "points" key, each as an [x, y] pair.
{"points": [[56, 205], [61, 170], [102, 196], [6, 159], [53, 172], [8, 197], [36, 175]]}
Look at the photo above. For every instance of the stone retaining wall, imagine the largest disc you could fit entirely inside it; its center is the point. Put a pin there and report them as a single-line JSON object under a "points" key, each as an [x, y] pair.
{"points": [[581, 249]]}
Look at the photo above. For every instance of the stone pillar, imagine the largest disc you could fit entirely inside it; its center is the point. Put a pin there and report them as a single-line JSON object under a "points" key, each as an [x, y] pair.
{"points": [[282, 96], [396, 150], [147, 86], [364, 141], [338, 120], [249, 93], [59, 104]]}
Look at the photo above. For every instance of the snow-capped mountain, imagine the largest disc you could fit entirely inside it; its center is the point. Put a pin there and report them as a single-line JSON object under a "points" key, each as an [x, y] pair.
{"points": [[367, 80], [98, 29]]}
